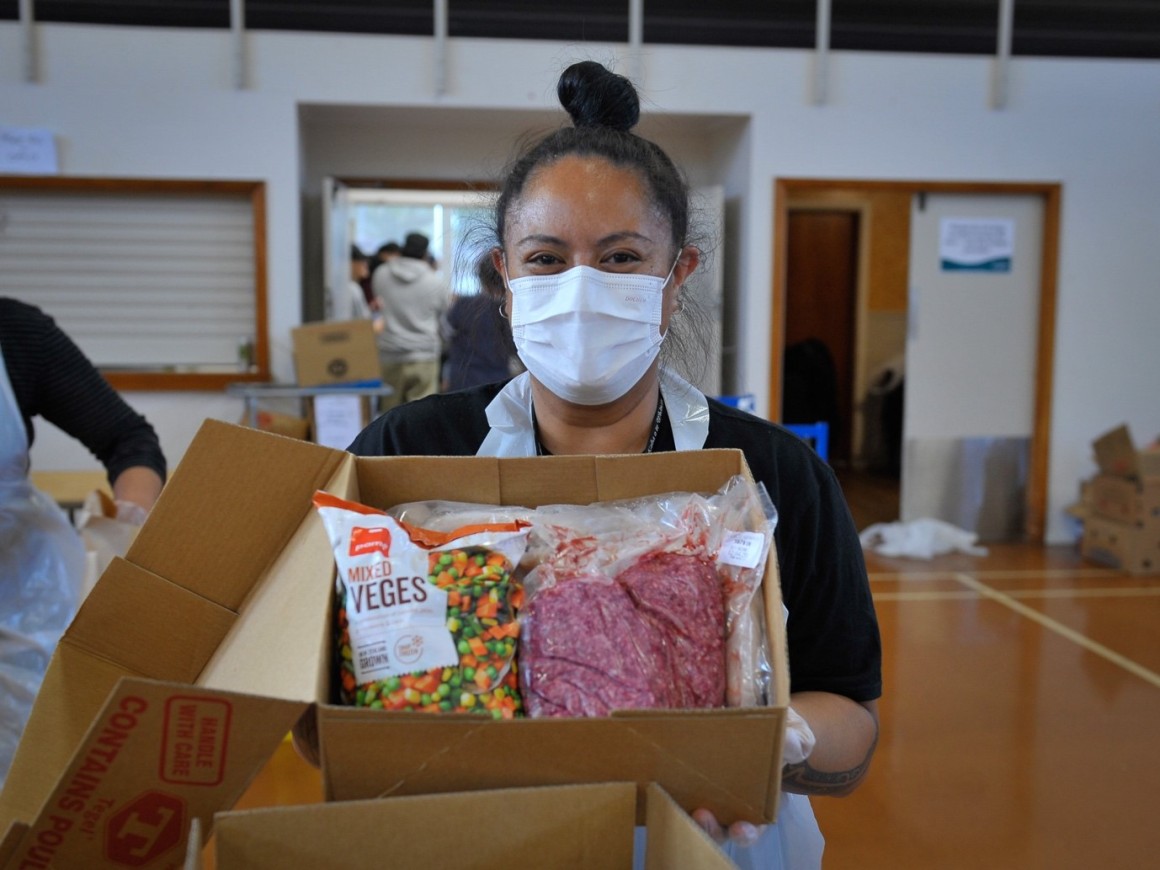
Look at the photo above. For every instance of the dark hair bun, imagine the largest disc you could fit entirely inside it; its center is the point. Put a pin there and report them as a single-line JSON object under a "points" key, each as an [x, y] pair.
{"points": [[596, 97]]}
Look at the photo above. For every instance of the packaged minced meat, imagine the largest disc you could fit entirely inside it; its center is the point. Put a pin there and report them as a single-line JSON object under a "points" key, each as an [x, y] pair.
{"points": [[647, 603], [424, 620]]}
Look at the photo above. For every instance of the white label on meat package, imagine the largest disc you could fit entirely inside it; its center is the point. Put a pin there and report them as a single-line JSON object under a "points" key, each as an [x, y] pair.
{"points": [[398, 622], [741, 549]]}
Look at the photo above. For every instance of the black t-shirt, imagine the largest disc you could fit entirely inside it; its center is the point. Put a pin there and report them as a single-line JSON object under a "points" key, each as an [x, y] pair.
{"points": [[832, 632]]}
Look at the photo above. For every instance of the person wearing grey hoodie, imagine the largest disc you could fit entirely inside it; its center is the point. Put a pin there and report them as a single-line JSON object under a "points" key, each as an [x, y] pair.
{"points": [[413, 297]]}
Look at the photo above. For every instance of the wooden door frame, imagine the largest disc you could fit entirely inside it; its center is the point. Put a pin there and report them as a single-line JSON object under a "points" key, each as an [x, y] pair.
{"points": [[785, 189]]}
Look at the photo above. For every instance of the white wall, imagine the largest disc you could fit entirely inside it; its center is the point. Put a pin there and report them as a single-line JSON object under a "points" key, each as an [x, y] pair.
{"points": [[149, 102]]}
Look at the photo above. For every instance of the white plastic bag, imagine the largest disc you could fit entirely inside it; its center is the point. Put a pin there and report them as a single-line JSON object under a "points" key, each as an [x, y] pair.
{"points": [[920, 539], [107, 528], [42, 564]]}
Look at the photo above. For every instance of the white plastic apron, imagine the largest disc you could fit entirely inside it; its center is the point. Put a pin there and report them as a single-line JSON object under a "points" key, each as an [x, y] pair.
{"points": [[794, 842], [512, 433], [42, 562]]}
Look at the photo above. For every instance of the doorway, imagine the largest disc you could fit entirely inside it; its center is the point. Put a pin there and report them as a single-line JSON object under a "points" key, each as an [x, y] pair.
{"points": [[882, 281]]}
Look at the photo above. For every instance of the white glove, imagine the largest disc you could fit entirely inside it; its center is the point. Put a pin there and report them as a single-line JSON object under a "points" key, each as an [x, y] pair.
{"points": [[131, 513], [799, 739]]}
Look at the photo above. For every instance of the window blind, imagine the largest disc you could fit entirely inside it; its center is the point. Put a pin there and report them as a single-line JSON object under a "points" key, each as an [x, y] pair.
{"points": [[140, 280]]}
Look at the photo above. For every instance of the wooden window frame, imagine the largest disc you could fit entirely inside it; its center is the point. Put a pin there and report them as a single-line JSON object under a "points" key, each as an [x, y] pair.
{"points": [[163, 381]]}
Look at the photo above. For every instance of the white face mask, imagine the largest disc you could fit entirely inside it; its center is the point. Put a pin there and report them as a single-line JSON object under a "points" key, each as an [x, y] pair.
{"points": [[586, 335]]}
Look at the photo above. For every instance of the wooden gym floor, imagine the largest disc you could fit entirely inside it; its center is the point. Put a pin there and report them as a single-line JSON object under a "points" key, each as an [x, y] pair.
{"points": [[1020, 720]]}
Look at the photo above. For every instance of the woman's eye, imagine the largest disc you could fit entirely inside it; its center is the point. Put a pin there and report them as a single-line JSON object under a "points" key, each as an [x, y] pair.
{"points": [[622, 258], [542, 260]]}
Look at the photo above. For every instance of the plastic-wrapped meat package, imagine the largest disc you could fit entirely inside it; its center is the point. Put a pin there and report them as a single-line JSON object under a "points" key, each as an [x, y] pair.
{"points": [[646, 604]]}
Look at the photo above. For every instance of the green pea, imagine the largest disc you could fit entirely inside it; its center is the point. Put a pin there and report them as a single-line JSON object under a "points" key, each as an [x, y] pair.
{"points": [[425, 699], [463, 647], [469, 674], [393, 683], [443, 691]]}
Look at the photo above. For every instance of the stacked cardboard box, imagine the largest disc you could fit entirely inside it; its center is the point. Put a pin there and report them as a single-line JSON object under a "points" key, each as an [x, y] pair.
{"points": [[1120, 506], [330, 354], [197, 652]]}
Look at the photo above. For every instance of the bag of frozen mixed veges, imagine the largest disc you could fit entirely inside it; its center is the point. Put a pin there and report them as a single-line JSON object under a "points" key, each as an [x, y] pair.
{"points": [[424, 620]]}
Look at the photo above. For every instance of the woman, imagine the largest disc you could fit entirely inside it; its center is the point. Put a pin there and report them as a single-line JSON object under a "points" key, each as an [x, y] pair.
{"points": [[42, 560], [592, 242]]}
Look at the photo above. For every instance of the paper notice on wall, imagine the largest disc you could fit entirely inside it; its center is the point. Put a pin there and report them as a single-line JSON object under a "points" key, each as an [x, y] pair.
{"points": [[976, 244], [337, 420], [27, 151]]}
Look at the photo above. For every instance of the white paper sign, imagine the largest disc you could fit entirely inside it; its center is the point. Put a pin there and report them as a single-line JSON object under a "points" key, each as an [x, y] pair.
{"points": [[976, 244], [337, 420], [27, 151]]}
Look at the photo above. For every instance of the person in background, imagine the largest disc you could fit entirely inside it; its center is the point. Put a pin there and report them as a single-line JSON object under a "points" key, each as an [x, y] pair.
{"points": [[386, 252], [412, 298], [592, 239], [350, 303], [477, 340], [42, 560]]}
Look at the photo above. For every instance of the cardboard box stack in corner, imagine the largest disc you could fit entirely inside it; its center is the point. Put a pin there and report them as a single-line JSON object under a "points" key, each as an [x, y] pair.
{"points": [[1120, 505], [196, 653]]}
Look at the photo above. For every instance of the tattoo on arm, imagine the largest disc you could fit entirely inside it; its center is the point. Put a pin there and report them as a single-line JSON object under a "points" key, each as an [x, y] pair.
{"points": [[803, 779]]}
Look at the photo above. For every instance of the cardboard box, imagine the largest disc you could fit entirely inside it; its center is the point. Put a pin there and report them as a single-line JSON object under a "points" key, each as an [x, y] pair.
{"points": [[1132, 548], [1135, 501], [1116, 454], [224, 598], [335, 352], [581, 826], [282, 424]]}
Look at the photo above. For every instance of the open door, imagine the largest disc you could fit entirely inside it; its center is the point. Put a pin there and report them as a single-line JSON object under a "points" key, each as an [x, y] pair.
{"points": [[971, 360], [1023, 339], [336, 241]]}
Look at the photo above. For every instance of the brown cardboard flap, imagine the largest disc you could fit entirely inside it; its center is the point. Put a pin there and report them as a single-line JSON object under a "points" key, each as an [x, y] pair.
{"points": [[282, 633], [1115, 452], [690, 753], [386, 481], [674, 840], [73, 691], [229, 508], [157, 756], [11, 841], [589, 826], [175, 641]]}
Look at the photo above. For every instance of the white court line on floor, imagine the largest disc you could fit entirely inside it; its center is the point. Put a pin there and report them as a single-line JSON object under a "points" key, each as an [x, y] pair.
{"points": [[1061, 629], [1002, 574], [1025, 594], [964, 595], [1087, 592]]}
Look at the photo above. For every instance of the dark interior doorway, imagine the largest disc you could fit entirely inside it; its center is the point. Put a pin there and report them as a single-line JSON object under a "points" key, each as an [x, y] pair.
{"points": [[821, 324]]}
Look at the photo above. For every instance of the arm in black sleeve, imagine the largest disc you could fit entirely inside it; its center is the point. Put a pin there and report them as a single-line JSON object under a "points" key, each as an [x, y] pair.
{"points": [[61, 385]]}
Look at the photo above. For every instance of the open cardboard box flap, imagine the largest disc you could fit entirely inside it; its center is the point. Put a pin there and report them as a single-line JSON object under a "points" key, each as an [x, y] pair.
{"points": [[228, 586], [590, 826]]}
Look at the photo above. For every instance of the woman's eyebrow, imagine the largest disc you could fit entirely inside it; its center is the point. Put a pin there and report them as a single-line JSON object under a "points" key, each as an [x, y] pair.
{"points": [[610, 239], [622, 236], [540, 239]]}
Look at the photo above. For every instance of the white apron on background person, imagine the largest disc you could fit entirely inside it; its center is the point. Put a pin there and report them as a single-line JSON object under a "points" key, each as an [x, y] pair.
{"points": [[794, 841], [42, 564]]}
